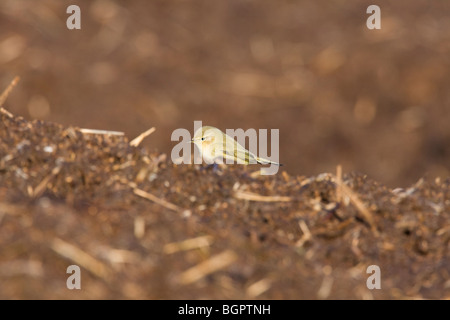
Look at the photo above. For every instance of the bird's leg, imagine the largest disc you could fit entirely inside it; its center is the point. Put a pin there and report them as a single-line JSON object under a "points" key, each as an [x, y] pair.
{"points": [[214, 166]]}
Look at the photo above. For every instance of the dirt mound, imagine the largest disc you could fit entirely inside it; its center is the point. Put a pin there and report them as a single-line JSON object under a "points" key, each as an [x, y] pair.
{"points": [[139, 226]]}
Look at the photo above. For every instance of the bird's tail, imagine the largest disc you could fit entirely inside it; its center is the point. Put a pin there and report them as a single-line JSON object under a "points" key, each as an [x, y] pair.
{"points": [[267, 161]]}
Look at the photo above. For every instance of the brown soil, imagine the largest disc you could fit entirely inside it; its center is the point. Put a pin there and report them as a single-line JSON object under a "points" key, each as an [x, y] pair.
{"points": [[124, 216], [375, 101]]}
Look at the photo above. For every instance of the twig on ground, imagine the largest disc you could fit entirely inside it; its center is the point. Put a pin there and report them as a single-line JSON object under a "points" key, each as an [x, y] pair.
{"points": [[106, 132], [139, 227], [339, 183], [360, 206], [44, 183], [188, 244], [258, 288], [137, 141], [80, 257], [146, 195], [327, 284], [244, 195], [5, 95], [213, 264], [306, 234]]}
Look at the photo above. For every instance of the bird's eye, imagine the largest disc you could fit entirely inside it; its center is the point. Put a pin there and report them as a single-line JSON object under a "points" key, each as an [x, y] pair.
{"points": [[203, 138]]}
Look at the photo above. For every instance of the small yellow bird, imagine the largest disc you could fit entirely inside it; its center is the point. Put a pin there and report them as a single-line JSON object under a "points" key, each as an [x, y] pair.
{"points": [[216, 147]]}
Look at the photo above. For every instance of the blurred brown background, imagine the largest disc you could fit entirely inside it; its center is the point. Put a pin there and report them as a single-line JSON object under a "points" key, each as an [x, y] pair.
{"points": [[375, 101]]}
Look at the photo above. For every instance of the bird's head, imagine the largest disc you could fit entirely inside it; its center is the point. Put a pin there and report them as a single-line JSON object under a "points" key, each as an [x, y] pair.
{"points": [[206, 135]]}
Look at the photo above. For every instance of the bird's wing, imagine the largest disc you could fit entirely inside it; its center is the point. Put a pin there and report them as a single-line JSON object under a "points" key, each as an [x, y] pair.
{"points": [[238, 154]]}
